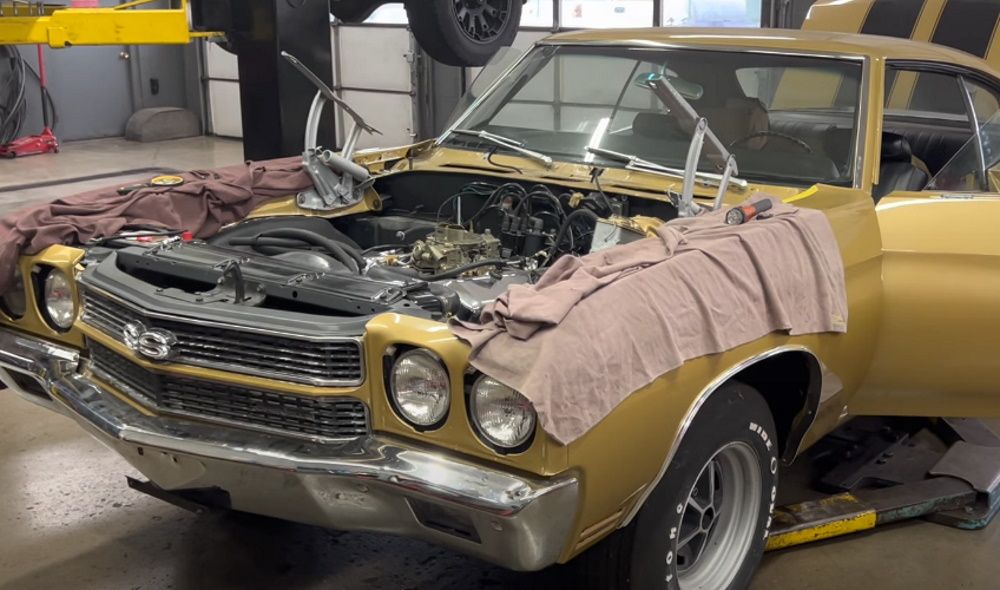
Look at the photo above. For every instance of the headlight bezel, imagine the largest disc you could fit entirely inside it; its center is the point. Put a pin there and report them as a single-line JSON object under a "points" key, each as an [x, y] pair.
{"points": [[392, 359], [5, 306], [471, 404], [42, 275]]}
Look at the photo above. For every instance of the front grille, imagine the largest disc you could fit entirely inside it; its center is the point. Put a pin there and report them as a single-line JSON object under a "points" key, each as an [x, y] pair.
{"points": [[332, 362], [315, 417]]}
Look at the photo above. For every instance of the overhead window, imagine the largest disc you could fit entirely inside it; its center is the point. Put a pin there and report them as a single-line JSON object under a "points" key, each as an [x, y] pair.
{"points": [[605, 14], [388, 14], [538, 13], [712, 13]]}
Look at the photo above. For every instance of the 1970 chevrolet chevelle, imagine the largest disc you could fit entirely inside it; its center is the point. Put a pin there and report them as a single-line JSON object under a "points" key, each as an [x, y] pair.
{"points": [[340, 397]]}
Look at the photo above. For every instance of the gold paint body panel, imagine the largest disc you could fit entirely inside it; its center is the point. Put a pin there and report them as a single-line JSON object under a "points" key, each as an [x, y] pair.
{"points": [[923, 279], [64, 258]]}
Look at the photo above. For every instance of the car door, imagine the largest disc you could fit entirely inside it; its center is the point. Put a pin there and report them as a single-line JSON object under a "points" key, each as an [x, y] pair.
{"points": [[938, 348]]}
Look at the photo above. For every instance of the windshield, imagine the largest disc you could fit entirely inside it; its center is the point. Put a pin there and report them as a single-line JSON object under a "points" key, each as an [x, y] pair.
{"points": [[774, 112]]}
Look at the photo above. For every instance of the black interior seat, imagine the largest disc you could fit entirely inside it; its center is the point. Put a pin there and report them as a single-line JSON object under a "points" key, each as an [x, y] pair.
{"points": [[933, 144], [899, 169]]}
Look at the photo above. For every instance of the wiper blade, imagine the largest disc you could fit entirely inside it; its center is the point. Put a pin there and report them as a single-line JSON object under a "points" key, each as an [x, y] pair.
{"points": [[506, 142], [633, 162]]}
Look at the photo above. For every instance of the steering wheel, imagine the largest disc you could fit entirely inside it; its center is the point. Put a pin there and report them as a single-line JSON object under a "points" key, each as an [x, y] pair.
{"points": [[768, 133]]}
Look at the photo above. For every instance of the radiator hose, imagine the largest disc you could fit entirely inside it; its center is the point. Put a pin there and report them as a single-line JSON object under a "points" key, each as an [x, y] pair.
{"points": [[277, 241]]}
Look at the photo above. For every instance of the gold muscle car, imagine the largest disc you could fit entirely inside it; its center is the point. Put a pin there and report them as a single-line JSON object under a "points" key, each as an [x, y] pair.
{"points": [[335, 394]]}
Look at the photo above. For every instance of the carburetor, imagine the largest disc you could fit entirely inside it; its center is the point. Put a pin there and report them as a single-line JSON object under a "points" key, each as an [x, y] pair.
{"points": [[449, 247]]}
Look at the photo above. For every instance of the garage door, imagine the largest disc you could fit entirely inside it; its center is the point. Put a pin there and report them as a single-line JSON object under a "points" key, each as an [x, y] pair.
{"points": [[222, 87], [373, 65], [372, 71]]}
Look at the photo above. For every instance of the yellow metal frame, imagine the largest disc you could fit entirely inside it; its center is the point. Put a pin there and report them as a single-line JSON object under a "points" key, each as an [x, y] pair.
{"points": [[99, 26]]}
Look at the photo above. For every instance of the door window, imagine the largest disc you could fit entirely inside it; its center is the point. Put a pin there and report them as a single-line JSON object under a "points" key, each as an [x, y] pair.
{"points": [[951, 124], [975, 166]]}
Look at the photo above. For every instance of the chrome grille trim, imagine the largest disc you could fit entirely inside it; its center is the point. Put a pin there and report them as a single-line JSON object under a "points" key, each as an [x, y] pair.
{"points": [[333, 419], [334, 362]]}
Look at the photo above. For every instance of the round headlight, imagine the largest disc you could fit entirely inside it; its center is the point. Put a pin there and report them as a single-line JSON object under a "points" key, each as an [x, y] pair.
{"points": [[14, 300], [60, 306], [420, 388], [503, 417]]}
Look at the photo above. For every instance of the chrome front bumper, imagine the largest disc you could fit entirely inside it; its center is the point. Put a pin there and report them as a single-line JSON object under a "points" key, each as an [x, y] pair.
{"points": [[376, 483], [28, 365]]}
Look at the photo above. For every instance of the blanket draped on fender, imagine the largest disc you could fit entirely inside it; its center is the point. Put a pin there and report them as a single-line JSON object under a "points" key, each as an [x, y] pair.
{"points": [[206, 202], [595, 329]]}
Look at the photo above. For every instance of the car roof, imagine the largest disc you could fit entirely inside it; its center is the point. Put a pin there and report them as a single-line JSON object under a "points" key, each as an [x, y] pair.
{"points": [[791, 40]]}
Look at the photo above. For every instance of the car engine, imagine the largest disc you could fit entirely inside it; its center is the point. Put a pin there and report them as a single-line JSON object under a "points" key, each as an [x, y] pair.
{"points": [[420, 255], [449, 247]]}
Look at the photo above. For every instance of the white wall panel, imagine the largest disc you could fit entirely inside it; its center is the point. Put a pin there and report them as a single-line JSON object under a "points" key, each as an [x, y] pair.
{"points": [[392, 114], [375, 58], [219, 63], [224, 108]]}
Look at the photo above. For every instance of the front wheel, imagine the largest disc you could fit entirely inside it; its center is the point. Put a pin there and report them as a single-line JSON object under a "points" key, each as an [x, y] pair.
{"points": [[464, 32], [705, 524]]}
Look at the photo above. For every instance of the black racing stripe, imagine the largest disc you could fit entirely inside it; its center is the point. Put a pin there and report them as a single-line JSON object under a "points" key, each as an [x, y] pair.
{"points": [[893, 18], [968, 25]]}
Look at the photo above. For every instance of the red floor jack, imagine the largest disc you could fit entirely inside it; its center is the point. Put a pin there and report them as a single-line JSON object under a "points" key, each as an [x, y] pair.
{"points": [[43, 143]]}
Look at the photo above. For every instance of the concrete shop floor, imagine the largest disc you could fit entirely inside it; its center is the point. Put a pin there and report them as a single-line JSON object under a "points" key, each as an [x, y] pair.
{"points": [[68, 519]]}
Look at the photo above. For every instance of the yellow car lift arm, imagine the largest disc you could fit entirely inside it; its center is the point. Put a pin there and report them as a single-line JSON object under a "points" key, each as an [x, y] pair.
{"points": [[24, 22]]}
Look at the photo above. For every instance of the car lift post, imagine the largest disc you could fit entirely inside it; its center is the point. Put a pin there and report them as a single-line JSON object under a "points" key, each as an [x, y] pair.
{"points": [[274, 97]]}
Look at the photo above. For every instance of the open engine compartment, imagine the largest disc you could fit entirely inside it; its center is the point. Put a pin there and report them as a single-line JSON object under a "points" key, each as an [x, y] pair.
{"points": [[442, 245]]}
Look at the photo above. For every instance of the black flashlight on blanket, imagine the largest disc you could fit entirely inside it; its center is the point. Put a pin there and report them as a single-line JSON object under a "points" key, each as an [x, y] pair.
{"points": [[741, 215]]}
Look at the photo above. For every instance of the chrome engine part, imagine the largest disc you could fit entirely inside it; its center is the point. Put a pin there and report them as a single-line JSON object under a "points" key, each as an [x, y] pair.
{"points": [[449, 247]]}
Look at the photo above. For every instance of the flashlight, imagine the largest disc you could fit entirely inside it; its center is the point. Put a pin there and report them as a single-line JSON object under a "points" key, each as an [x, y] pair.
{"points": [[741, 215]]}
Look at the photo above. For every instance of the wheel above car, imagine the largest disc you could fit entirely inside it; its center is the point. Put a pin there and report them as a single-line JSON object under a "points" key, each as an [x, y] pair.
{"points": [[464, 32]]}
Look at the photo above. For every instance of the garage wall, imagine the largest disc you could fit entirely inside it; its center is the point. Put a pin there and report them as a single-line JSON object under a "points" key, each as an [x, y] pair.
{"points": [[96, 89]]}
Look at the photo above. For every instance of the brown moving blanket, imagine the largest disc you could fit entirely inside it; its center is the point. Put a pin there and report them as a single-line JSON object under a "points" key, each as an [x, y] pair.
{"points": [[595, 329], [207, 201]]}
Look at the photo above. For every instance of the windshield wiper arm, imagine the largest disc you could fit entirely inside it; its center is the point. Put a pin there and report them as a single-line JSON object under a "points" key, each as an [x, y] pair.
{"points": [[633, 162], [506, 142]]}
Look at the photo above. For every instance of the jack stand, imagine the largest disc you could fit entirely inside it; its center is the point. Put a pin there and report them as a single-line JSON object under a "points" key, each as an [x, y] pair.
{"points": [[885, 474]]}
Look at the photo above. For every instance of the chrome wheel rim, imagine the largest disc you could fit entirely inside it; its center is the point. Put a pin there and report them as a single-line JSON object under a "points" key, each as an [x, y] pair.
{"points": [[718, 520], [482, 20]]}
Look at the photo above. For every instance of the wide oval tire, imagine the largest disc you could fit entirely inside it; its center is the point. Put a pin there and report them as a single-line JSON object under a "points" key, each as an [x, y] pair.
{"points": [[438, 29], [733, 435]]}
